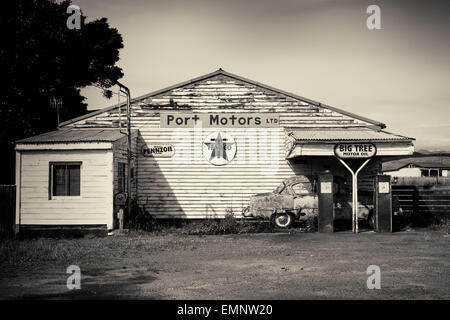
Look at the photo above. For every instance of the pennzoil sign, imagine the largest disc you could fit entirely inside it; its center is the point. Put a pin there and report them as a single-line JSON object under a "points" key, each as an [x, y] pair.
{"points": [[355, 150], [165, 151]]}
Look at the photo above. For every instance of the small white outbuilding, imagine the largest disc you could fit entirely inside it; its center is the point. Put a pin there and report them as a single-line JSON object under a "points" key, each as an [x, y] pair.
{"points": [[68, 178]]}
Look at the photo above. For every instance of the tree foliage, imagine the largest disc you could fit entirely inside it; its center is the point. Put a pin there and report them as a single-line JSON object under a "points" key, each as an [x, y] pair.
{"points": [[41, 58]]}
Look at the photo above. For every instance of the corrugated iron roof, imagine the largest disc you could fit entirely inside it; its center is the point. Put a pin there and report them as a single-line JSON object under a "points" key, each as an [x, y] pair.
{"points": [[361, 134], [76, 135]]}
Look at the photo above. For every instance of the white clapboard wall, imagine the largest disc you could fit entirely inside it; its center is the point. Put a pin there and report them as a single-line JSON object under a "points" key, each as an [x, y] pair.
{"points": [[93, 206]]}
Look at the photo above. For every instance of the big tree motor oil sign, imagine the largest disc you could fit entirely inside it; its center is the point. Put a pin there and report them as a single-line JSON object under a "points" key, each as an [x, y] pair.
{"points": [[355, 150]]}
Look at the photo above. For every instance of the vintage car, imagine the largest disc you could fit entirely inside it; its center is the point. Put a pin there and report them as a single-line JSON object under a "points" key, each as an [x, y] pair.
{"points": [[297, 197]]}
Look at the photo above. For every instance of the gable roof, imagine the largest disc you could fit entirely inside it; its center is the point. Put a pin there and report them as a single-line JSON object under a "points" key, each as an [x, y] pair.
{"points": [[233, 76]]}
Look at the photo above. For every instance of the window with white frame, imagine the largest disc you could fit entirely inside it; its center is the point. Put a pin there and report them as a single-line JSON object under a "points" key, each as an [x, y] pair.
{"points": [[64, 179]]}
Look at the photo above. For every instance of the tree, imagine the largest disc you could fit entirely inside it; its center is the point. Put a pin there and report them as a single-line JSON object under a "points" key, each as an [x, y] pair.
{"points": [[41, 58]]}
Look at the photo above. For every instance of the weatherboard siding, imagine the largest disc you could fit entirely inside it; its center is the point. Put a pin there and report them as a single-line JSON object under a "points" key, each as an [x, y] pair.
{"points": [[187, 185], [94, 206]]}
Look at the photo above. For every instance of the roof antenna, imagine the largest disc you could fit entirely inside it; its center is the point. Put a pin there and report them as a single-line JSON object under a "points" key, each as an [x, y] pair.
{"points": [[56, 103]]}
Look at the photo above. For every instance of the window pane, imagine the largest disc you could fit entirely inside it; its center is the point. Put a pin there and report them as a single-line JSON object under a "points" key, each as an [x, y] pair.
{"points": [[66, 179], [74, 180], [302, 188], [59, 180]]}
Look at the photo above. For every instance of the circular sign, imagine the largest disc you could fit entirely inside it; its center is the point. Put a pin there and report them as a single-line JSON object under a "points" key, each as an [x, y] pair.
{"points": [[219, 148], [355, 150]]}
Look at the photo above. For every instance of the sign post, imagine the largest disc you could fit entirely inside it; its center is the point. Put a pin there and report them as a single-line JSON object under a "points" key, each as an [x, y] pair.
{"points": [[354, 151]]}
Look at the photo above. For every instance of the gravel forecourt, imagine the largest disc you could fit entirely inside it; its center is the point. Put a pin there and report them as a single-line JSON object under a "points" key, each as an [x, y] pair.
{"points": [[287, 265]]}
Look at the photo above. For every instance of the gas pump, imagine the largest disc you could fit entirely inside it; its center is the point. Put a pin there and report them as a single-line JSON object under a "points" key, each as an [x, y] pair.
{"points": [[383, 204], [326, 206]]}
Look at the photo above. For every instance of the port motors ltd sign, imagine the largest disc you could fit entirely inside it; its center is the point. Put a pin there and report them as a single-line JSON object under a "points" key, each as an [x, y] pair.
{"points": [[219, 120], [355, 150]]}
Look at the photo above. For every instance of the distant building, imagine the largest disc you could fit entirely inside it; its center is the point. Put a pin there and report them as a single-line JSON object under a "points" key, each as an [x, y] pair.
{"points": [[418, 167]]}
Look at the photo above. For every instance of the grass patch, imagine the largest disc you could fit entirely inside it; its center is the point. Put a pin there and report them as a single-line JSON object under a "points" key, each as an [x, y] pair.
{"points": [[141, 219], [25, 252], [45, 251], [141, 237], [227, 225]]}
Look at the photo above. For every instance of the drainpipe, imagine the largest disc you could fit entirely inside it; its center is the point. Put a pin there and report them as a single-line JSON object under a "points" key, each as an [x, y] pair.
{"points": [[125, 90]]}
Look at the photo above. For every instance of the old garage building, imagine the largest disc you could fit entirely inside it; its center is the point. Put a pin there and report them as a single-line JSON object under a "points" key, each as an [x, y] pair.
{"points": [[200, 149]]}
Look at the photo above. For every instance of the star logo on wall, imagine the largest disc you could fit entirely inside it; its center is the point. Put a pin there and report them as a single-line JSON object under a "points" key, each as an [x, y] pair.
{"points": [[219, 148]]}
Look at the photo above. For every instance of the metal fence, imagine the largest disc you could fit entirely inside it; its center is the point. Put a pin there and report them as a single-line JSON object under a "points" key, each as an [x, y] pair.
{"points": [[7, 210]]}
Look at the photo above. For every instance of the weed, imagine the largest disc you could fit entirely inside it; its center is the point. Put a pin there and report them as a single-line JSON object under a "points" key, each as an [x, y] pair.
{"points": [[310, 223], [228, 225]]}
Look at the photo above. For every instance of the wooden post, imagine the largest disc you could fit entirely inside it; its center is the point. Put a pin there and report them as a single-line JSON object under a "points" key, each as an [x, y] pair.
{"points": [[120, 217]]}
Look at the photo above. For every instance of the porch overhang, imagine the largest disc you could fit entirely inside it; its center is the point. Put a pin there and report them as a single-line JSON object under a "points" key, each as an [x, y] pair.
{"points": [[321, 142]]}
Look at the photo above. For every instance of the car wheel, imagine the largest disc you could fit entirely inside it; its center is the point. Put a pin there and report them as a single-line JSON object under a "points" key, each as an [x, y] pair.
{"points": [[283, 220]]}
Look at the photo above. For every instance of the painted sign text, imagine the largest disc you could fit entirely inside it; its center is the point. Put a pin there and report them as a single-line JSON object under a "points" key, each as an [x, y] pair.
{"points": [[219, 120], [355, 150]]}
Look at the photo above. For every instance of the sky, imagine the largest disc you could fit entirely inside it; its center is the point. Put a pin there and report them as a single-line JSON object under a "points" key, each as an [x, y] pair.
{"points": [[318, 49]]}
